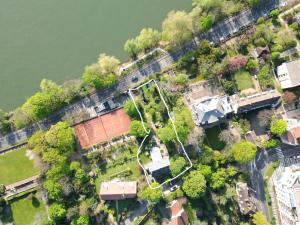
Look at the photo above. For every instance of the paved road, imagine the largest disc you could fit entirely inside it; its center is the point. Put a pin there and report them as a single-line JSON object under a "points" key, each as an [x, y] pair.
{"points": [[287, 155], [220, 32]]}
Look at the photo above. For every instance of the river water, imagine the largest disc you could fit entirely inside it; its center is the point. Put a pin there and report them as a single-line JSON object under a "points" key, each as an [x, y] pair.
{"points": [[56, 39]]}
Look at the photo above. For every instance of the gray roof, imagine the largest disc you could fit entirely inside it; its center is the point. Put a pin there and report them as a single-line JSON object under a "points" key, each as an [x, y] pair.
{"points": [[158, 162], [211, 110], [294, 72]]}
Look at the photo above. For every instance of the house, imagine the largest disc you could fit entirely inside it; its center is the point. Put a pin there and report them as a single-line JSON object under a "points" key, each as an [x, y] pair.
{"points": [[211, 111], [159, 165], [257, 101], [292, 136], [288, 74], [115, 190], [260, 52], [245, 201], [286, 186], [177, 214]]}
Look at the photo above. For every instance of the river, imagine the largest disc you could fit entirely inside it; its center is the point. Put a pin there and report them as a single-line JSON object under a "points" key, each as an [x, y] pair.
{"points": [[56, 39]]}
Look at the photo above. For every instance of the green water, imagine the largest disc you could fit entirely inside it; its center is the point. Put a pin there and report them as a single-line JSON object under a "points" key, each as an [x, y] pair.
{"points": [[56, 39]]}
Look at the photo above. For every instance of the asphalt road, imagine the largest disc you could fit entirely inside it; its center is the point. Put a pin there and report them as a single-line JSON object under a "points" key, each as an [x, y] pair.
{"points": [[220, 32]]}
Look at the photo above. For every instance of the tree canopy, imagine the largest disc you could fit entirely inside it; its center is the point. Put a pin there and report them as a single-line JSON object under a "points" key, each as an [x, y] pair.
{"points": [[244, 151], [177, 27], [137, 129], [177, 165], [278, 126], [150, 194], [260, 219], [194, 185]]}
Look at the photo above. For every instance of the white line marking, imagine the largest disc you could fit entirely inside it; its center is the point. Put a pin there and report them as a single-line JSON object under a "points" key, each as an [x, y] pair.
{"points": [[148, 132]]}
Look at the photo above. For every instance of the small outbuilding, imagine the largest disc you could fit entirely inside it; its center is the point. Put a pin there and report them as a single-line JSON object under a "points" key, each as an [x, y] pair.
{"points": [[116, 190]]}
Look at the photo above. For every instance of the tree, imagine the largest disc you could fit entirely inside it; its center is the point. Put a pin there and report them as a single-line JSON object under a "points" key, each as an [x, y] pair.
{"points": [[177, 27], [82, 220], [36, 142], [264, 117], [131, 47], [237, 62], [244, 125], [194, 185], [2, 190], [108, 64], [137, 129], [54, 189], [177, 165], [151, 194], [218, 179], [278, 126], [260, 219], [274, 14], [252, 64], [227, 137], [148, 38], [253, 3], [288, 97], [181, 79], [166, 134], [206, 22], [61, 136], [264, 78], [131, 110], [243, 151], [57, 211], [228, 86]]}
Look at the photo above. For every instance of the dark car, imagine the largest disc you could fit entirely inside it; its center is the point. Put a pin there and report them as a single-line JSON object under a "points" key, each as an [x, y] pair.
{"points": [[134, 78]]}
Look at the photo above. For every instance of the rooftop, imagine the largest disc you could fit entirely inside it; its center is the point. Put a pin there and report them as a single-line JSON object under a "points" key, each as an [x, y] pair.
{"points": [[177, 213], [158, 162], [115, 190], [288, 74], [244, 199]]}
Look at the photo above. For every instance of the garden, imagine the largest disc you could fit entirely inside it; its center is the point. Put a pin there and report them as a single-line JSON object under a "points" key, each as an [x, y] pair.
{"points": [[243, 80], [26, 209], [16, 166]]}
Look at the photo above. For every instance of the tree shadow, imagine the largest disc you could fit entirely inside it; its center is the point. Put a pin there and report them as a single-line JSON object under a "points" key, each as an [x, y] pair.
{"points": [[35, 202]]}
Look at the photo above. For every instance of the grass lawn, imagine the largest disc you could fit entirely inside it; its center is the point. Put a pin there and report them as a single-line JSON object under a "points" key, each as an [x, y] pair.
{"points": [[16, 166], [212, 138], [243, 80], [25, 211]]}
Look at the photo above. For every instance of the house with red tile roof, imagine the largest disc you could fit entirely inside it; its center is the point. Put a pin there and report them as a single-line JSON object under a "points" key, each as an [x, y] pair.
{"points": [[177, 214], [116, 190]]}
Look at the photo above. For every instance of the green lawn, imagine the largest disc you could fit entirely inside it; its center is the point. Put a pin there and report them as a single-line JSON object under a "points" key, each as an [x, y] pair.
{"points": [[25, 211], [212, 138], [243, 80], [16, 166]]}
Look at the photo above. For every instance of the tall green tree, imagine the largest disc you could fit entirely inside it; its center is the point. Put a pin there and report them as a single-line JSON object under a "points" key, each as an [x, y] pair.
{"points": [[194, 184], [278, 126], [137, 129], [244, 151], [177, 27], [148, 38], [260, 219], [151, 194], [177, 165], [57, 211]]}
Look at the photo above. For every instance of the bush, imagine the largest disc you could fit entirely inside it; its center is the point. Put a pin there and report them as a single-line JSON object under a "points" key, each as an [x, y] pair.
{"points": [[272, 143], [294, 26]]}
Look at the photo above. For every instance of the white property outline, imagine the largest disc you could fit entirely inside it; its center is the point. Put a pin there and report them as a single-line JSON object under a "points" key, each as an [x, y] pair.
{"points": [[148, 132]]}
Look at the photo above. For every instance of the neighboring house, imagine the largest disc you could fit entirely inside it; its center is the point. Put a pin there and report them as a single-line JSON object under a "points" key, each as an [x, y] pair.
{"points": [[286, 185], [211, 111], [245, 201], [159, 165], [260, 52], [288, 74], [177, 214], [115, 190], [260, 100], [292, 136]]}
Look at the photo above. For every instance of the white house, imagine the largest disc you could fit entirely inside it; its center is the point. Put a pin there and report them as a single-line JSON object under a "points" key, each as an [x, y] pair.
{"points": [[288, 74], [287, 194], [211, 111]]}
